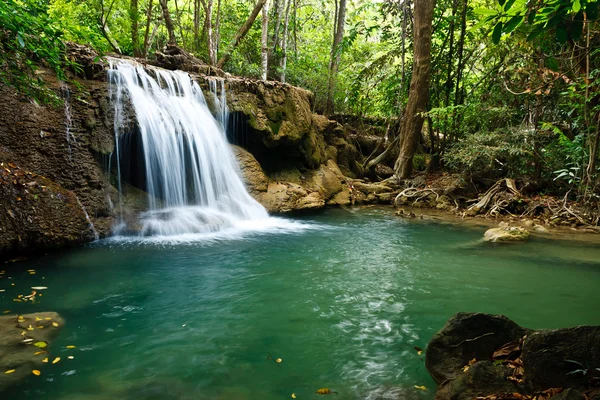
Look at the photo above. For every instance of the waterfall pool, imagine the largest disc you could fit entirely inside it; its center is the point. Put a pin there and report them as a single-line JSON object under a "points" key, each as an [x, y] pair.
{"points": [[342, 297]]}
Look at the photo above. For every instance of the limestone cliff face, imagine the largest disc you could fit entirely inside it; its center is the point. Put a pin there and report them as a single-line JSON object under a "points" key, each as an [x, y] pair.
{"points": [[52, 181]]}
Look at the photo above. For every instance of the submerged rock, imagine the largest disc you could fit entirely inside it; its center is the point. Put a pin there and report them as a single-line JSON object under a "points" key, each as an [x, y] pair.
{"points": [[506, 234], [17, 351]]}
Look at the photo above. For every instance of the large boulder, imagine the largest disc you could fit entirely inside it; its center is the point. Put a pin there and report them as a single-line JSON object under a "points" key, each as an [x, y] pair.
{"points": [[568, 358], [467, 336], [17, 351]]}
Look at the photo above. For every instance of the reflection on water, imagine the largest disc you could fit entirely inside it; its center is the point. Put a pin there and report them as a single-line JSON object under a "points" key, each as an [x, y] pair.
{"points": [[342, 300]]}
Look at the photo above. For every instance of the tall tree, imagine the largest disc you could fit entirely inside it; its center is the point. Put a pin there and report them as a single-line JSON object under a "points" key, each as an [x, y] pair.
{"points": [[284, 39], [334, 64], [212, 51], [241, 33], [134, 15], [264, 42], [147, 31], [168, 22], [412, 122]]}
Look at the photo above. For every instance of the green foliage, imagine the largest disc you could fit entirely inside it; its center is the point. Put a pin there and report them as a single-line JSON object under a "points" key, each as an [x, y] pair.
{"points": [[29, 36]]}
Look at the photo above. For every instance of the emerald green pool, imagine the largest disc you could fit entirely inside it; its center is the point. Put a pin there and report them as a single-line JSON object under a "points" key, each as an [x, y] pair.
{"points": [[342, 297]]}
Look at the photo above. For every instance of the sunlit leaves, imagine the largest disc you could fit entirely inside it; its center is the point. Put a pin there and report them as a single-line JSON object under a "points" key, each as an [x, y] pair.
{"points": [[36, 372]]}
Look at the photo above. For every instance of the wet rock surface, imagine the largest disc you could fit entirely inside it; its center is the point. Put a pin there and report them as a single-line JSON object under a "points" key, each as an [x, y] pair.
{"points": [[490, 357], [18, 350]]}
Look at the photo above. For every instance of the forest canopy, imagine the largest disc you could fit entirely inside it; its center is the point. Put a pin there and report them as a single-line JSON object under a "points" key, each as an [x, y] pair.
{"points": [[513, 85]]}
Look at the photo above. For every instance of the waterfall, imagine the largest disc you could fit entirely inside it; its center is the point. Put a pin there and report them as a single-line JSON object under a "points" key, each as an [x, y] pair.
{"points": [[192, 178]]}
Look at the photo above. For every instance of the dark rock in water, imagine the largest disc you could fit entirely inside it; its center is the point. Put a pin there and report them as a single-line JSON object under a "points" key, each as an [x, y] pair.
{"points": [[17, 351], [551, 358], [479, 355], [464, 337], [481, 379]]}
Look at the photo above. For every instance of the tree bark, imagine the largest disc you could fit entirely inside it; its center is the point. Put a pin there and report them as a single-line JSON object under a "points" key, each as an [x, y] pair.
{"points": [[135, 16], [335, 56], [217, 34], [264, 52], [210, 39], [284, 40], [168, 22], [147, 32], [277, 10], [241, 33], [412, 123]]}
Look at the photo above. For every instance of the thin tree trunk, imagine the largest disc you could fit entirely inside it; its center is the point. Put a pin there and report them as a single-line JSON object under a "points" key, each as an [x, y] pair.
{"points": [[146, 33], [212, 56], [154, 32], [335, 56], [412, 123], [104, 15], [264, 64], [277, 9], [178, 19], [295, 29], [241, 33], [217, 35], [135, 16], [168, 22], [196, 45], [285, 40], [460, 53]]}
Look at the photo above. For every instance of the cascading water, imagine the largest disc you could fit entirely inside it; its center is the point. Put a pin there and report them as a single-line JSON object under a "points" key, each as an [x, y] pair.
{"points": [[192, 179]]}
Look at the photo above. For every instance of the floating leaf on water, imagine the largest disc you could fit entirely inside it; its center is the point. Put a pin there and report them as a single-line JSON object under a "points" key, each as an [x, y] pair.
{"points": [[420, 387], [419, 350], [325, 391], [41, 345], [55, 324], [38, 353], [70, 357], [70, 347], [45, 359], [39, 287], [57, 359], [10, 371], [40, 327], [6, 311], [27, 340], [36, 372], [278, 360], [293, 395]]}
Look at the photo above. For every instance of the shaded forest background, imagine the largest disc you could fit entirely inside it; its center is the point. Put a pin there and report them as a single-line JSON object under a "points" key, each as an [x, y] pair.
{"points": [[514, 86]]}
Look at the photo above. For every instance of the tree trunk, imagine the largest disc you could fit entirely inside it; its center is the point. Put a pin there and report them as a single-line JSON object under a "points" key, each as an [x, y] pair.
{"points": [[264, 53], [284, 40], [196, 44], [241, 33], [168, 22], [134, 15], [277, 10], [419, 88], [147, 32], [335, 56], [217, 34], [210, 39]]}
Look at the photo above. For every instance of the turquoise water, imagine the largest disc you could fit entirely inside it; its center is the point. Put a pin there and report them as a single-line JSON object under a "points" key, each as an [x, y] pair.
{"points": [[342, 299]]}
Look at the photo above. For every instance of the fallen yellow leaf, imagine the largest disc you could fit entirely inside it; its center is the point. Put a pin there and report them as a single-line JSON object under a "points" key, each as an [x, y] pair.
{"points": [[293, 395], [47, 318], [57, 359], [45, 359], [55, 324], [36, 372], [30, 328], [6, 311], [40, 327], [325, 391], [38, 319], [279, 360], [70, 357], [420, 387], [38, 352], [10, 371], [70, 347]]}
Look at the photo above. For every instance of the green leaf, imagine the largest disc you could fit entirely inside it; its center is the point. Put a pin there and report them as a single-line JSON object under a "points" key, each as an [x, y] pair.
{"points": [[576, 6], [41, 345], [501, 2], [509, 4], [513, 23], [531, 17], [497, 33], [561, 34], [20, 39]]}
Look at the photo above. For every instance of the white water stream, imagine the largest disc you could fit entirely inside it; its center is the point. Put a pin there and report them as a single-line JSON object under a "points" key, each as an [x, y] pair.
{"points": [[192, 179]]}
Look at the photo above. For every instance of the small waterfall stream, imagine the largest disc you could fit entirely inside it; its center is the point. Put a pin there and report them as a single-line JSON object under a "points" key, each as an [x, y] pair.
{"points": [[192, 178]]}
